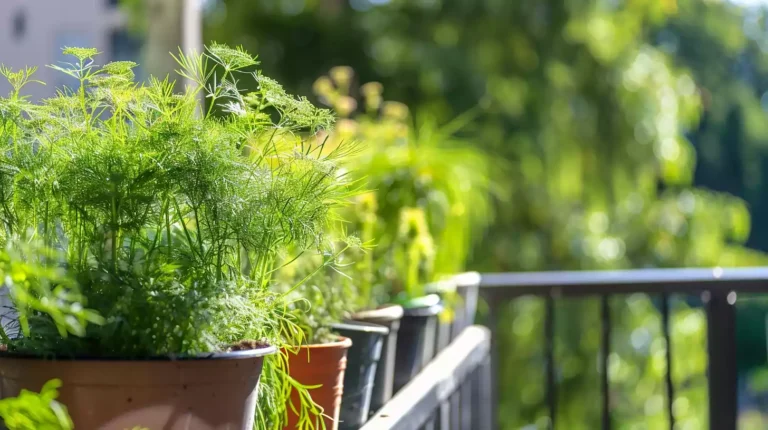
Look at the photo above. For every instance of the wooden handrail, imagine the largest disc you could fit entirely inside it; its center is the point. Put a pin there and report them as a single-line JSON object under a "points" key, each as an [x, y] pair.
{"points": [[415, 403]]}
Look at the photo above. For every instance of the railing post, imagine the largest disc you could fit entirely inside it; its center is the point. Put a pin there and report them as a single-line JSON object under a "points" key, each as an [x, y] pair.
{"points": [[455, 411], [549, 357], [605, 353], [721, 347], [483, 382], [493, 363], [668, 380]]}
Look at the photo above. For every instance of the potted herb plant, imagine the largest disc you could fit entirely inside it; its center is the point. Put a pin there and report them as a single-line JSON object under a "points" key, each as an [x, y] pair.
{"points": [[141, 231], [432, 200], [324, 300]]}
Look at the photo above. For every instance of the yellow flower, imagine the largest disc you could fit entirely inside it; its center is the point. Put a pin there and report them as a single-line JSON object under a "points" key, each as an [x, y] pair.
{"points": [[413, 223], [367, 202], [426, 246], [372, 89], [372, 102], [342, 75], [323, 86], [395, 110], [346, 128], [345, 105]]}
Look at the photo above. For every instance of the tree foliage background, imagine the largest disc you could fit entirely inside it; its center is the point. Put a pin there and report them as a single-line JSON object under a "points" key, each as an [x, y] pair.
{"points": [[634, 135]]}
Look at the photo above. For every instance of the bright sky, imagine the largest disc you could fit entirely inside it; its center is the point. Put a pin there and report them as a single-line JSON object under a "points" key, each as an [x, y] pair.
{"points": [[750, 2]]}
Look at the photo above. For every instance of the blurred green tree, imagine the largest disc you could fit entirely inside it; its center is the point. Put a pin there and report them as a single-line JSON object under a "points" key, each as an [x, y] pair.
{"points": [[723, 46]]}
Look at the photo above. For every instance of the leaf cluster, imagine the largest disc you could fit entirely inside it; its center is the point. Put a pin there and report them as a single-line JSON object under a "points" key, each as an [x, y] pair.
{"points": [[36, 411]]}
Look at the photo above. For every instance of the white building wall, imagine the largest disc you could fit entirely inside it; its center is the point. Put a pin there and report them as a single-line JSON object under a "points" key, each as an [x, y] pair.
{"points": [[48, 26]]}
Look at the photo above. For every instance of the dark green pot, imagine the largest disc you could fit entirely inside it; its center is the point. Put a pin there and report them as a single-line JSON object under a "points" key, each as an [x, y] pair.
{"points": [[389, 316], [362, 360], [416, 338]]}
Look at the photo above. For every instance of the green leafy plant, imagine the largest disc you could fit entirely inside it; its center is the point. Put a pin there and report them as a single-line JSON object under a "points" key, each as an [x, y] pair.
{"points": [[167, 218], [36, 411], [432, 190]]}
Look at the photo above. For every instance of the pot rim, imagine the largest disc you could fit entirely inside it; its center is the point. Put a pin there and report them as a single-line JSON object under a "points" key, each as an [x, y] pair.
{"points": [[342, 342], [389, 312], [361, 326], [424, 306], [424, 311], [223, 355]]}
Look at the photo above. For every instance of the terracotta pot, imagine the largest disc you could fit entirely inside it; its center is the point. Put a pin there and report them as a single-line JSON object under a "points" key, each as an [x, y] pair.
{"points": [[389, 316], [210, 392], [322, 365]]}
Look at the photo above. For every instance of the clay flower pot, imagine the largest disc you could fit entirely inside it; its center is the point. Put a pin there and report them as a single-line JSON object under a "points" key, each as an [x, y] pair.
{"points": [[388, 316], [207, 392], [322, 365]]}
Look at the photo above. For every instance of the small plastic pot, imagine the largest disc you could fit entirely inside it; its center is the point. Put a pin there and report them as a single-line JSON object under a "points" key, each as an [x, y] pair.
{"points": [[321, 365], [388, 316], [205, 392], [416, 338], [362, 361]]}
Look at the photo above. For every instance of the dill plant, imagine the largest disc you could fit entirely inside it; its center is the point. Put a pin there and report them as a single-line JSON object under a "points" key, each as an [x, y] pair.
{"points": [[163, 218]]}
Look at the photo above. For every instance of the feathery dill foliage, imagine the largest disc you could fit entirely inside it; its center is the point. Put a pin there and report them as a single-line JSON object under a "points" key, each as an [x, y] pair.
{"points": [[168, 219], [327, 293]]}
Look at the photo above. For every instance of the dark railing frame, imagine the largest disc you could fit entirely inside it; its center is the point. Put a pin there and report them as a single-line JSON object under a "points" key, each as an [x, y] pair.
{"points": [[719, 289]]}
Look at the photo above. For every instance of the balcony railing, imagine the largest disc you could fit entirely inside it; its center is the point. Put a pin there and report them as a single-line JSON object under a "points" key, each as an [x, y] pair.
{"points": [[457, 390], [718, 289]]}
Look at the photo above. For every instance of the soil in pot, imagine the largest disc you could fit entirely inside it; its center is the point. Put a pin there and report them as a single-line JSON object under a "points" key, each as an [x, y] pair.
{"points": [[362, 360], [416, 338], [388, 316], [207, 392], [320, 365]]}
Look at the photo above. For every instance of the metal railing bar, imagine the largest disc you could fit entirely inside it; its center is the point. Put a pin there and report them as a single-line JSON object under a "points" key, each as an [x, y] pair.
{"points": [[467, 418], [486, 419], [722, 372], [549, 357], [605, 351], [414, 405], [666, 327], [511, 285], [491, 322], [455, 411]]}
